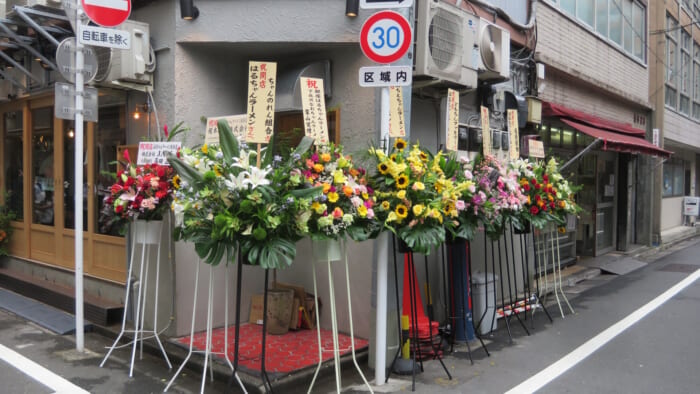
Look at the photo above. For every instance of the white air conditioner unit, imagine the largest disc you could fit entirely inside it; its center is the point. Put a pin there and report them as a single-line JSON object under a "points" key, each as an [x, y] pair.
{"points": [[494, 52], [445, 38], [133, 65]]}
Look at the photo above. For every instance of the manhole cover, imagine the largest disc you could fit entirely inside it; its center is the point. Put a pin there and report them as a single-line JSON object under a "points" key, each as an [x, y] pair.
{"points": [[685, 268]]}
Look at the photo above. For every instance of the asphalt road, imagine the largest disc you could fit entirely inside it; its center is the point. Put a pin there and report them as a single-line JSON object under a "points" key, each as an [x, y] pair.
{"points": [[659, 352]]}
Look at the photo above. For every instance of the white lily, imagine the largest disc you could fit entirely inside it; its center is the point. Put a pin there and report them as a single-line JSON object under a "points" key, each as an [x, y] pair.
{"points": [[258, 177], [237, 182]]}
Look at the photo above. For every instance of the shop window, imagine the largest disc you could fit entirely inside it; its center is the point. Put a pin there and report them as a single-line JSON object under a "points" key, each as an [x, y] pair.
{"points": [[567, 139], [674, 178], [554, 136], [13, 162], [110, 135], [43, 181]]}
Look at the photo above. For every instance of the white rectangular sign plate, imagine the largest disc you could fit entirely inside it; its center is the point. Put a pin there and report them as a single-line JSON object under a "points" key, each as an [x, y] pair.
{"points": [[104, 37], [382, 76]]}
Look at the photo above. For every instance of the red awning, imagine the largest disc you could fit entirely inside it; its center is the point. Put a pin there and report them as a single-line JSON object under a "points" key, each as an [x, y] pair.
{"points": [[619, 142], [551, 109]]}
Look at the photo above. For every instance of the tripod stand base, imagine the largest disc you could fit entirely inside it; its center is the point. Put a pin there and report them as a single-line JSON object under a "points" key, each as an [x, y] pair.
{"points": [[403, 366]]}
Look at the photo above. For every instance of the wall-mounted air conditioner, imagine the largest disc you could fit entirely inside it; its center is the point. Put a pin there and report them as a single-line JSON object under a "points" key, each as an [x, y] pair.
{"points": [[494, 52], [445, 38], [133, 65]]}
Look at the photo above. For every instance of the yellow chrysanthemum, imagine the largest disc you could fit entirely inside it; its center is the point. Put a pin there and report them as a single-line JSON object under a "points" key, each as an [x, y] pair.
{"points": [[205, 149], [333, 197], [365, 196], [362, 211], [318, 167], [418, 209], [326, 187], [401, 211], [402, 181]]}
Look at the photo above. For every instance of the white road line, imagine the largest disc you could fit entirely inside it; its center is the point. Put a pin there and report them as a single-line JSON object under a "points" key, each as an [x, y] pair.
{"points": [[39, 373], [579, 354]]}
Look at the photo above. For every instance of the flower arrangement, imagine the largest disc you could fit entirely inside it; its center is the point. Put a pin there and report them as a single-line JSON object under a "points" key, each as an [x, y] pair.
{"points": [[227, 197], [140, 192], [498, 198], [549, 195], [346, 205], [6, 216], [408, 186]]}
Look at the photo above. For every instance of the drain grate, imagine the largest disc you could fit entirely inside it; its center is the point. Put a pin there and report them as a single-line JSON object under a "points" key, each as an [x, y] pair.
{"points": [[684, 268]]}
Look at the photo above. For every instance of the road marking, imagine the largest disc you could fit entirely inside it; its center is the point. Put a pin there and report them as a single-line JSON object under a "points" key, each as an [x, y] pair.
{"points": [[579, 354], [39, 373]]}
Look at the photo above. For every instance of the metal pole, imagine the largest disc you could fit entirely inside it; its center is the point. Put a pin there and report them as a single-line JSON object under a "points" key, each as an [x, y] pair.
{"points": [[382, 270], [78, 184]]}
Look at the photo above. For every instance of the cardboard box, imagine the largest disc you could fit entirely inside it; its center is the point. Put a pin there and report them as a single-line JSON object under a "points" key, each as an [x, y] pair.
{"points": [[256, 309]]}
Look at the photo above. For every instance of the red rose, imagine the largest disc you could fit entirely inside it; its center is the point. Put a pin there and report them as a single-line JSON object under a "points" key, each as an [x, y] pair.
{"points": [[538, 186], [129, 181], [116, 188], [545, 178], [551, 204], [533, 181], [161, 172], [161, 194], [118, 209], [526, 187], [126, 156], [534, 210]]}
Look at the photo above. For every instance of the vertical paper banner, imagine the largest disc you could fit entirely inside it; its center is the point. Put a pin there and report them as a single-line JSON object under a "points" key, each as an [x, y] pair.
{"points": [[485, 131], [262, 78], [514, 134], [397, 125], [314, 105], [452, 121], [237, 123]]}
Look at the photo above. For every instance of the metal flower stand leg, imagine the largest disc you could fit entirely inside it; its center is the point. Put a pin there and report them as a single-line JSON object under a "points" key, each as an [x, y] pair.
{"points": [[141, 236], [210, 314], [556, 263], [533, 298], [334, 321]]}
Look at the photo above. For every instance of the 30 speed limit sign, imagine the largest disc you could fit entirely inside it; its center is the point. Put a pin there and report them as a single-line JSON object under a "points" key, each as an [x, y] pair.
{"points": [[385, 37]]}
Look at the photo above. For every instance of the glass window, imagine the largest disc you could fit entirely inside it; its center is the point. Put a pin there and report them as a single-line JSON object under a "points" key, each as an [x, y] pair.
{"points": [[639, 23], [43, 185], [554, 136], [13, 162], [686, 73], [671, 94], [627, 23], [615, 22], [569, 6], [585, 11], [674, 178], [567, 139], [601, 17], [111, 133]]}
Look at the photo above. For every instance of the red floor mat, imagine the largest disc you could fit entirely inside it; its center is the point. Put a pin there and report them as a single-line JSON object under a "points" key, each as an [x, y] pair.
{"points": [[285, 353]]}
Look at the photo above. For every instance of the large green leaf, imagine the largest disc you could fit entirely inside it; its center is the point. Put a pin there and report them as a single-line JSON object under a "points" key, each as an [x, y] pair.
{"points": [[307, 193], [229, 143], [422, 239], [269, 154], [304, 145], [189, 174]]}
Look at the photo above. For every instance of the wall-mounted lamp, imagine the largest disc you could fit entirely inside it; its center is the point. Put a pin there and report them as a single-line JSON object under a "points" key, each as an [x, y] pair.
{"points": [[139, 108], [352, 7], [188, 11], [71, 133]]}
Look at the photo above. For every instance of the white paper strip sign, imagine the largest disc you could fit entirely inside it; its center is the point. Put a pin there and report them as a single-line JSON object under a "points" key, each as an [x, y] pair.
{"points": [[156, 152], [452, 121], [514, 134], [397, 125], [536, 148], [262, 78], [237, 123], [313, 103], [485, 131]]}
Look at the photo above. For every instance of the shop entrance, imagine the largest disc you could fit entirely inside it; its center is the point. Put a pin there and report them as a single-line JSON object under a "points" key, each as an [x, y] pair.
{"points": [[39, 165], [597, 227]]}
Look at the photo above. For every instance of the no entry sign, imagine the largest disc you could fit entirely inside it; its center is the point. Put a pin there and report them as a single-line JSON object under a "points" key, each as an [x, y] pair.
{"points": [[107, 13], [385, 37]]}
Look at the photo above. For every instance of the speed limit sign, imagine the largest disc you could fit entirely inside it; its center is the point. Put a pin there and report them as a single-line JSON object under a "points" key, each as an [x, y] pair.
{"points": [[385, 37]]}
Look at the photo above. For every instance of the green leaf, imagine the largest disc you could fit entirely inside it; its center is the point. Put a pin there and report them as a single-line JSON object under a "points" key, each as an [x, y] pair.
{"points": [[307, 193], [269, 154], [186, 172], [229, 143], [304, 145]]}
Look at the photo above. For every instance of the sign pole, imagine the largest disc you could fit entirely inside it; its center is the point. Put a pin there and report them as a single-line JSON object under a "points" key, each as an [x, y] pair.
{"points": [[78, 193], [382, 267]]}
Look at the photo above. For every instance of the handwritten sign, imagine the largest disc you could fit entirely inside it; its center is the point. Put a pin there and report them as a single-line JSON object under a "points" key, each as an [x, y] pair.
{"points": [[237, 123], [514, 134], [536, 148], [397, 124], [485, 131], [262, 78], [314, 105], [155, 152], [452, 121]]}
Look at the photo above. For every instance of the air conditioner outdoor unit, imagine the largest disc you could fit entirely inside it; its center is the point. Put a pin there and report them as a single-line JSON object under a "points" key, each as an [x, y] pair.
{"points": [[445, 38], [494, 52], [127, 65], [7, 90]]}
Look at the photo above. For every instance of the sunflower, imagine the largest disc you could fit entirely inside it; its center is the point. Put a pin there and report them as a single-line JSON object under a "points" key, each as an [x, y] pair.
{"points": [[400, 144], [392, 157], [562, 230], [385, 205], [217, 170], [176, 181], [205, 149], [383, 168], [402, 181], [423, 156], [401, 211]]}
